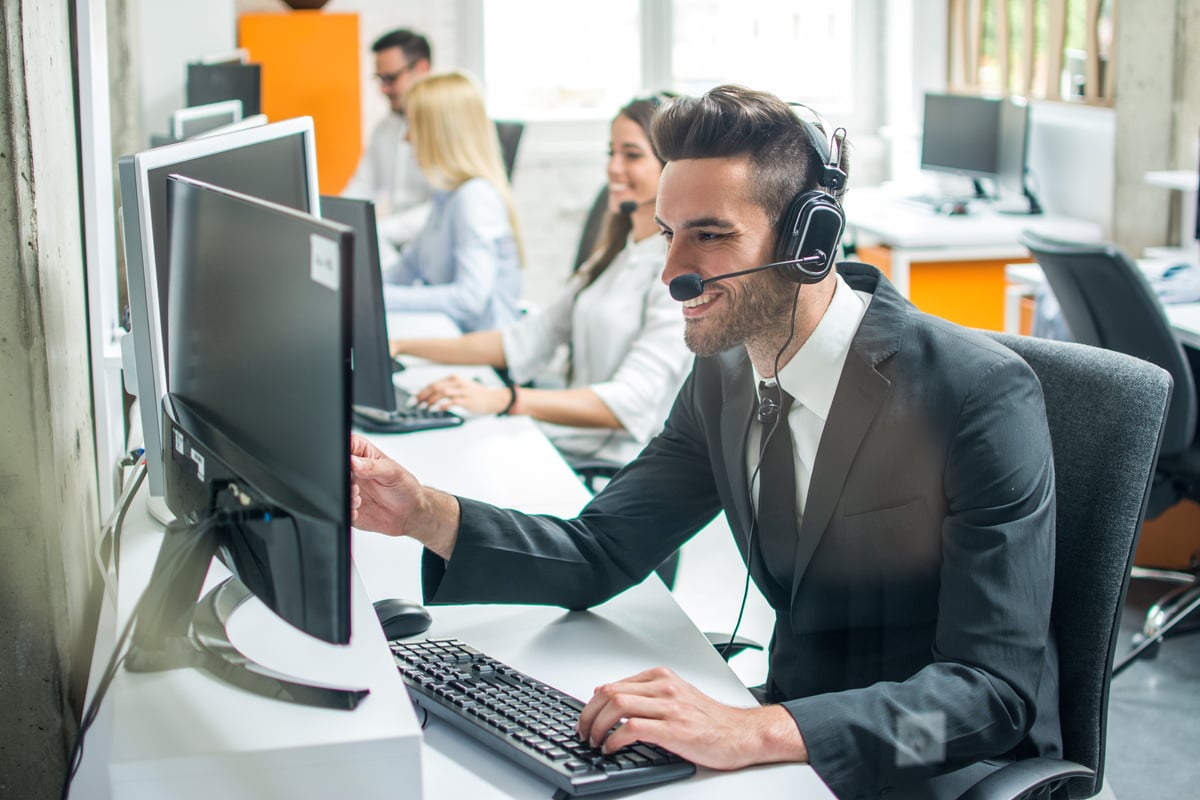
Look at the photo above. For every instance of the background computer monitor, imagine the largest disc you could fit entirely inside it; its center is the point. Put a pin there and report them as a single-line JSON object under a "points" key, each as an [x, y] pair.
{"points": [[242, 124], [373, 385], [275, 162], [258, 420], [195, 120], [982, 138], [228, 80]]}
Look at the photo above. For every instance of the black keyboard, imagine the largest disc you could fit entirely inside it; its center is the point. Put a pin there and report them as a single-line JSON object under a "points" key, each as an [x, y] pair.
{"points": [[523, 719], [406, 419]]}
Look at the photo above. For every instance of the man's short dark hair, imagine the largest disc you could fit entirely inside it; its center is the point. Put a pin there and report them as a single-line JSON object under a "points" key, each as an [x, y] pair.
{"points": [[414, 45], [732, 121]]}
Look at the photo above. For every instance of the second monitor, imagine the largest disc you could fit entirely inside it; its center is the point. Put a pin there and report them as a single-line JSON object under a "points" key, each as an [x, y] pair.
{"points": [[982, 138]]}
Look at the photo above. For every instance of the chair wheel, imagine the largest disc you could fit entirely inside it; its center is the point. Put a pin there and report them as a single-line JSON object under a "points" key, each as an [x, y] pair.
{"points": [[1151, 650]]}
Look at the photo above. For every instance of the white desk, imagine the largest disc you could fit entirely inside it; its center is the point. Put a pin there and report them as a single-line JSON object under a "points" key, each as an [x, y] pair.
{"points": [[951, 266], [184, 735]]}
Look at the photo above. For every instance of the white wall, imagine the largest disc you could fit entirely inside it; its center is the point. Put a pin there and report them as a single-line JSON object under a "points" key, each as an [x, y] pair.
{"points": [[169, 34]]}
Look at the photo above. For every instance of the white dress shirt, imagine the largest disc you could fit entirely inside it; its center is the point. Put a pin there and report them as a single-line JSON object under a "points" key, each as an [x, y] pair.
{"points": [[626, 339], [811, 377], [388, 174]]}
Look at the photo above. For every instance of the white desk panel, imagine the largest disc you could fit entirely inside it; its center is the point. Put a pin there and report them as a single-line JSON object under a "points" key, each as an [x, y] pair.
{"points": [[185, 735]]}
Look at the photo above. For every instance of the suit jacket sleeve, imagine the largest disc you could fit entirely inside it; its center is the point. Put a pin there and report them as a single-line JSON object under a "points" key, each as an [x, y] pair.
{"points": [[645, 513], [977, 698]]}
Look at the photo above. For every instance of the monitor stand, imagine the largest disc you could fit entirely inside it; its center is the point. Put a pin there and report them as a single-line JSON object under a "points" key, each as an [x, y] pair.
{"points": [[171, 630], [156, 505]]}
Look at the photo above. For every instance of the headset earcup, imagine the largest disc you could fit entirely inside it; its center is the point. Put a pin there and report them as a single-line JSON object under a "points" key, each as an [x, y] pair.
{"points": [[813, 222]]}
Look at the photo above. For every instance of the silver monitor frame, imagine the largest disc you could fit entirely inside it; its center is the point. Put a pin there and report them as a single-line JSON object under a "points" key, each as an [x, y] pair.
{"points": [[149, 365]]}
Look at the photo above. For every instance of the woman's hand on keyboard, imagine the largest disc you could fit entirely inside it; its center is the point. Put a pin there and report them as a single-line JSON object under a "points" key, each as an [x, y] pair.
{"points": [[464, 393], [658, 707]]}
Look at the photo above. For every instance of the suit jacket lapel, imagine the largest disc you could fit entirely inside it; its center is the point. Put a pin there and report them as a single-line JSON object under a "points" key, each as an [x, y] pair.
{"points": [[738, 402], [860, 393]]}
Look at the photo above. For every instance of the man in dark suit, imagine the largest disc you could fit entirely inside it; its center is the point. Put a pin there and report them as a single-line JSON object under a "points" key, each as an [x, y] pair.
{"points": [[911, 572]]}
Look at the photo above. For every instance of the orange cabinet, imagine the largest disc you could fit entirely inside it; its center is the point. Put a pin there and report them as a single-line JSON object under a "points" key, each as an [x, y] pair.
{"points": [[311, 67]]}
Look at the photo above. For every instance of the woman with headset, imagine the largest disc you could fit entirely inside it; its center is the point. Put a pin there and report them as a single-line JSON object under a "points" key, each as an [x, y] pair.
{"points": [[466, 260], [622, 330]]}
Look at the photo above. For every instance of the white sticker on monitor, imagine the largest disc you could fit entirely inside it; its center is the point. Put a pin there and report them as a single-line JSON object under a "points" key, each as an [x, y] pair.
{"points": [[198, 457], [324, 266]]}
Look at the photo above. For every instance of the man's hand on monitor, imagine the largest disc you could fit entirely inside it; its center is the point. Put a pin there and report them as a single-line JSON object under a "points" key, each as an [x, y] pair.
{"points": [[386, 498]]}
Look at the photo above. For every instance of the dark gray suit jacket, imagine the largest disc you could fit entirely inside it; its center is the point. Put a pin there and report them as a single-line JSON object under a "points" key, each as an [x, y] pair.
{"points": [[914, 637]]}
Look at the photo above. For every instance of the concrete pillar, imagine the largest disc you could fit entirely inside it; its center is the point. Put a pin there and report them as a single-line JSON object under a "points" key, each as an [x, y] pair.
{"points": [[1156, 104], [48, 497]]}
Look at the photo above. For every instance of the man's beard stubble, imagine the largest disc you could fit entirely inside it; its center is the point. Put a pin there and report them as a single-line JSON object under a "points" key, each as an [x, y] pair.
{"points": [[758, 313]]}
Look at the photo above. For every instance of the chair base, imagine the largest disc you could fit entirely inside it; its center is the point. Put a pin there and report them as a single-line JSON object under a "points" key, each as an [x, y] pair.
{"points": [[1164, 616]]}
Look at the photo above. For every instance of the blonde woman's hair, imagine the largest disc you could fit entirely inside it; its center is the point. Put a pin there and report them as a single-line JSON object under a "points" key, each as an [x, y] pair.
{"points": [[454, 140]]}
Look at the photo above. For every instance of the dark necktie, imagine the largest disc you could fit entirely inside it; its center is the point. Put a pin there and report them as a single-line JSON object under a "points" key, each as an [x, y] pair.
{"points": [[776, 486]]}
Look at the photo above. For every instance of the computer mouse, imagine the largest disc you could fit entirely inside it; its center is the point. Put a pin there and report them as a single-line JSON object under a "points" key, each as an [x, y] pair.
{"points": [[402, 618]]}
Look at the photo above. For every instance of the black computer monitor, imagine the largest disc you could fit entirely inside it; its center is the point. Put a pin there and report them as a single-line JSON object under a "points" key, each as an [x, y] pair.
{"points": [[275, 162], [373, 365], [227, 80], [258, 421], [982, 138]]}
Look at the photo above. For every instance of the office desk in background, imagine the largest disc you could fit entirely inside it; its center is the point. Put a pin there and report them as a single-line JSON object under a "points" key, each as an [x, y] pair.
{"points": [[184, 735], [950, 266]]}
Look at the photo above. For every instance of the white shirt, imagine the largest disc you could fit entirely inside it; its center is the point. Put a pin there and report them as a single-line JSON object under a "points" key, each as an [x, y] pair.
{"points": [[464, 262], [388, 174], [626, 339], [811, 377]]}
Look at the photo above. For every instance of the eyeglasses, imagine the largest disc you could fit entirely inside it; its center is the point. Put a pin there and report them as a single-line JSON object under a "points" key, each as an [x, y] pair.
{"points": [[387, 79]]}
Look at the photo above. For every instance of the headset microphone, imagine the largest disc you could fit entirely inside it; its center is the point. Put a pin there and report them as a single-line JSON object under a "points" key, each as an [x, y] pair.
{"points": [[685, 287], [627, 207]]}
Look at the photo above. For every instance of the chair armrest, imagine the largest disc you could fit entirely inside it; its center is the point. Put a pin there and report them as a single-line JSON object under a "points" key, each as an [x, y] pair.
{"points": [[728, 648], [1020, 778]]}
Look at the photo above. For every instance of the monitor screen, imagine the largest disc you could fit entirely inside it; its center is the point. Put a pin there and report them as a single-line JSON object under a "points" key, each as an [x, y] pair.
{"points": [[373, 386], [230, 80], [195, 120], [980, 137], [260, 340], [275, 162]]}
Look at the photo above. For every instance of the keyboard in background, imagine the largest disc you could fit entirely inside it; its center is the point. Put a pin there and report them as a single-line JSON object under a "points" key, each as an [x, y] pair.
{"points": [[523, 719]]}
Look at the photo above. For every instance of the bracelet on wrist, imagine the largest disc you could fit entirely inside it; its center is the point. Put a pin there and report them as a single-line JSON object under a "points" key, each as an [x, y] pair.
{"points": [[512, 399]]}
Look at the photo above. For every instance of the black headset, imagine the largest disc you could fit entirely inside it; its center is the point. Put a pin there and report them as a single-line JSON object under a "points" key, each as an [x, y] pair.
{"points": [[814, 221]]}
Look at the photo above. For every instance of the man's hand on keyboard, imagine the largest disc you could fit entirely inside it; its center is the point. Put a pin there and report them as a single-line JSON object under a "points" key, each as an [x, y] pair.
{"points": [[464, 393], [385, 497], [658, 707]]}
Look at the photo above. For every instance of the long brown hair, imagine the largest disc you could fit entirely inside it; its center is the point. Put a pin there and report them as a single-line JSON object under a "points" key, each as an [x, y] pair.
{"points": [[614, 232]]}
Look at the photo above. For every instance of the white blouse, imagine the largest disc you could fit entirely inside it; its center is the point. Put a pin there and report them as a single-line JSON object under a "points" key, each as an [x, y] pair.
{"points": [[626, 339]]}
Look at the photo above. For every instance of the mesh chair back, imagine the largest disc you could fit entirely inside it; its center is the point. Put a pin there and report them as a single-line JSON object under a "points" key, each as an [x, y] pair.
{"points": [[1105, 412], [1107, 302]]}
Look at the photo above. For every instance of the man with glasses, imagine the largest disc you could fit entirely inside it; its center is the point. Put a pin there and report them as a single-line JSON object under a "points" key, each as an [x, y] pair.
{"points": [[388, 172]]}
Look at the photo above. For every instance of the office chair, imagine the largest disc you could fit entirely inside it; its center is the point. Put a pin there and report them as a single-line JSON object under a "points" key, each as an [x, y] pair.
{"points": [[509, 134], [1107, 302], [1103, 466]]}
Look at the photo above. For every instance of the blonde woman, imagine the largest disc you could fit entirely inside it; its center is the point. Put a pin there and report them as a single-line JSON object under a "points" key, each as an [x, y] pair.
{"points": [[466, 261]]}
